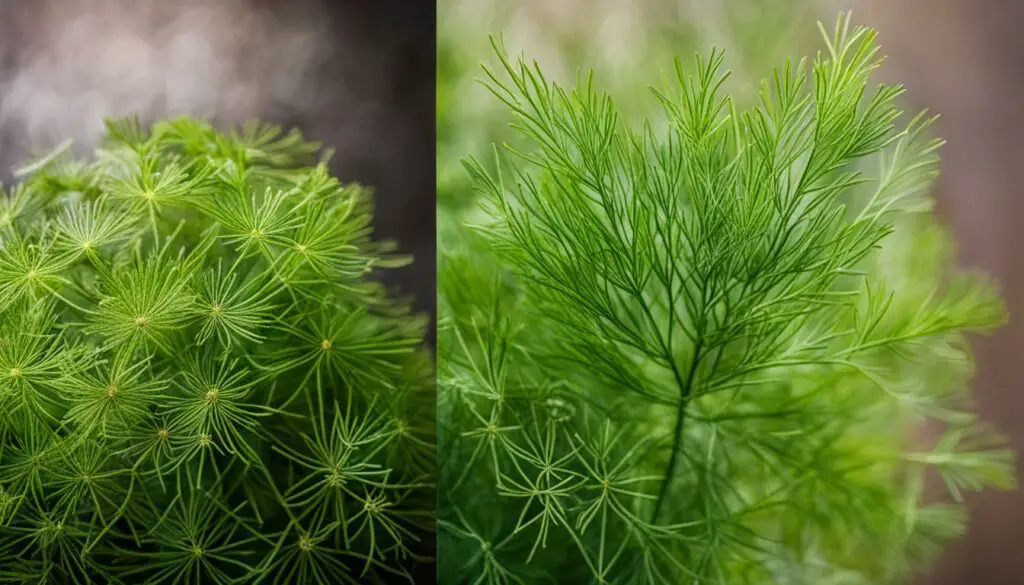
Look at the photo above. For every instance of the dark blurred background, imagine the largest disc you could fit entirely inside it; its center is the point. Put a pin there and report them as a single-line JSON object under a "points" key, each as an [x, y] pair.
{"points": [[356, 75]]}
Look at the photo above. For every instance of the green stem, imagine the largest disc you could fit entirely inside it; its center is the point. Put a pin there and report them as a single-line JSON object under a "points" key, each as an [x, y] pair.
{"points": [[680, 427]]}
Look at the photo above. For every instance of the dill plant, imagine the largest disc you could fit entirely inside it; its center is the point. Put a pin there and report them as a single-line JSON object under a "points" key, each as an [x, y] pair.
{"points": [[703, 350], [625, 44], [201, 381]]}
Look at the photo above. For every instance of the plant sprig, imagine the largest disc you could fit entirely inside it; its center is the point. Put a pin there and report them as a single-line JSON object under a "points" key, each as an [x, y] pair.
{"points": [[692, 352]]}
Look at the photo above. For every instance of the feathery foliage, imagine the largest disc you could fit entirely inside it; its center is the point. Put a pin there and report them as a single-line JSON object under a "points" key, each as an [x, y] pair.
{"points": [[201, 380], [703, 351]]}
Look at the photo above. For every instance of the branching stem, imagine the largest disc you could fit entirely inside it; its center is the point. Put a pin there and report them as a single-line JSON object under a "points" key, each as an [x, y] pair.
{"points": [[678, 431]]}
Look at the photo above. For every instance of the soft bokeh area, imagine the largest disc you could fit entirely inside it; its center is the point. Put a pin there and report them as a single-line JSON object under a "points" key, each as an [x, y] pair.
{"points": [[963, 60]]}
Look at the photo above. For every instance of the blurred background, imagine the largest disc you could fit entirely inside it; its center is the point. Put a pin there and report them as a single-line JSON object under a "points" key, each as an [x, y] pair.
{"points": [[357, 76], [963, 59]]}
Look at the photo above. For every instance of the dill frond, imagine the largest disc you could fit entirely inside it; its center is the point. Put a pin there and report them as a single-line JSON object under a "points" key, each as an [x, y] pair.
{"points": [[697, 350]]}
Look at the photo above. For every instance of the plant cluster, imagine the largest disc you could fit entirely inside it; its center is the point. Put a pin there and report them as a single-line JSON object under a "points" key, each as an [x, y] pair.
{"points": [[201, 381], [703, 351]]}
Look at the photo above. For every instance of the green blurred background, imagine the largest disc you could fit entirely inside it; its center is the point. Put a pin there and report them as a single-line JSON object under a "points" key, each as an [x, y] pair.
{"points": [[961, 58]]}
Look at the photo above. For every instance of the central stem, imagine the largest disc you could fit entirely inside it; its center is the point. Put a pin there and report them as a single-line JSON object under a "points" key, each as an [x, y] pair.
{"points": [[677, 434]]}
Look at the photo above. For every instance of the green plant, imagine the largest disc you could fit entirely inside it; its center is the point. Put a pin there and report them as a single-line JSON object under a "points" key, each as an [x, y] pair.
{"points": [[200, 379], [705, 354], [624, 43]]}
